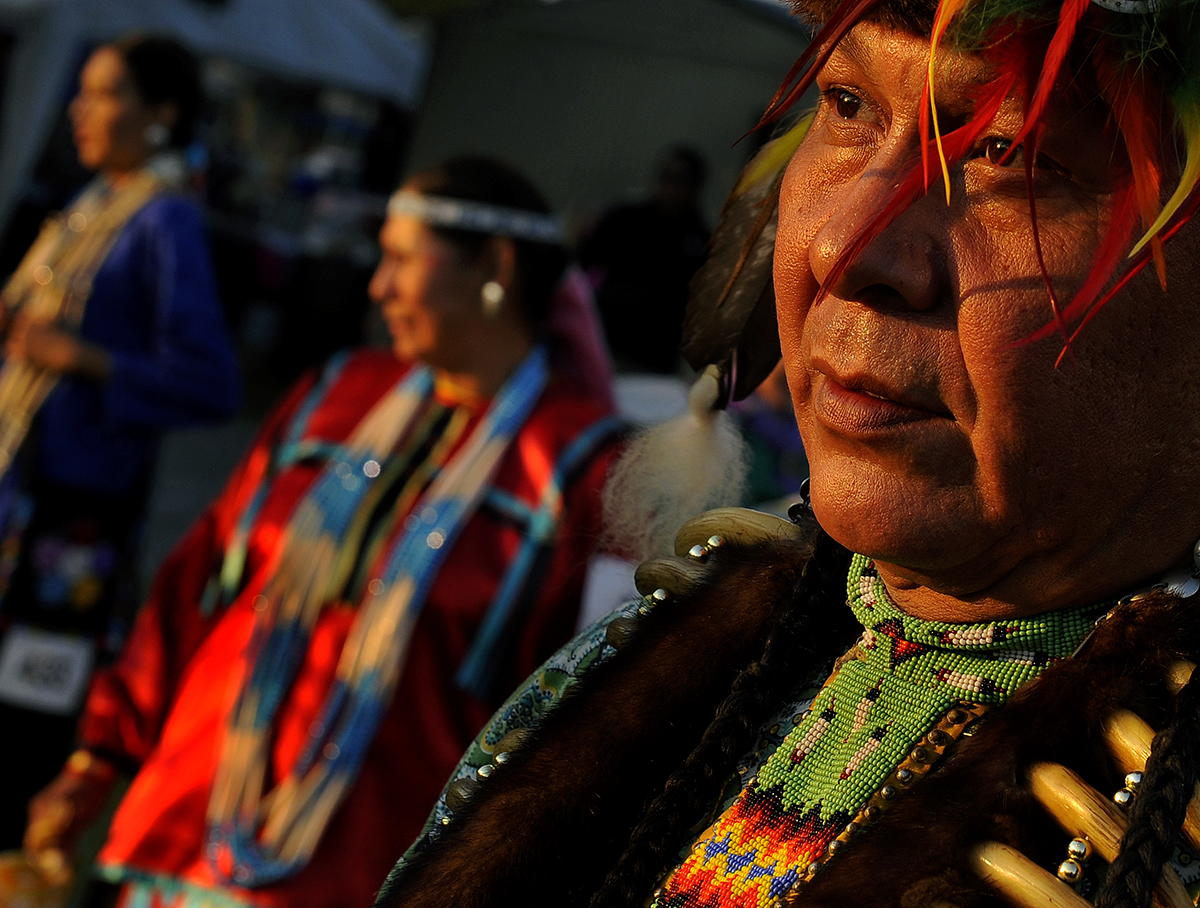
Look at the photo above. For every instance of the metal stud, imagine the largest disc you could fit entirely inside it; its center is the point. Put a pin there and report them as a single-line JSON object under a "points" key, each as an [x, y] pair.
{"points": [[904, 776], [1069, 871], [938, 738], [1133, 780], [874, 813], [887, 792], [956, 717], [1123, 798], [920, 754], [851, 828], [1079, 849]]}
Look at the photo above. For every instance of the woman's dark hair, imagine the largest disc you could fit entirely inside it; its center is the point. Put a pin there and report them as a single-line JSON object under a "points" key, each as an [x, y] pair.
{"points": [[477, 179], [808, 635], [165, 72]]}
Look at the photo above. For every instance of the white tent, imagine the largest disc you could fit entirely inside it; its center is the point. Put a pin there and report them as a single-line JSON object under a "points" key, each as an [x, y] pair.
{"points": [[352, 44]]}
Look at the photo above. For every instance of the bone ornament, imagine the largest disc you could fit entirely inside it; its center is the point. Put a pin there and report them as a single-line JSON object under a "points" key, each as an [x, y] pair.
{"points": [[1020, 880], [1083, 812]]}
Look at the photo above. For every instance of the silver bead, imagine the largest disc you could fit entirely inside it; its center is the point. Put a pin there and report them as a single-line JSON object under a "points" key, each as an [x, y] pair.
{"points": [[698, 552], [660, 595], [501, 758], [1133, 780], [1123, 798], [485, 770], [1069, 871], [715, 542], [1079, 849]]}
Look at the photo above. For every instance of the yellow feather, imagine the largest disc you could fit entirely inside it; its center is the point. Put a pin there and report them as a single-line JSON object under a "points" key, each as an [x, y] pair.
{"points": [[947, 10], [1189, 121], [774, 155]]}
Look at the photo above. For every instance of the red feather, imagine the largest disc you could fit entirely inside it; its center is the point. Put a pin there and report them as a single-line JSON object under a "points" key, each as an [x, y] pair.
{"points": [[1138, 110], [805, 69], [1064, 34]]}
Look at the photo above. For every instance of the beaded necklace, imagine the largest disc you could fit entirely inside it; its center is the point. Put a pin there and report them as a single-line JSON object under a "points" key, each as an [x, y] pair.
{"points": [[894, 702], [53, 283], [256, 836]]}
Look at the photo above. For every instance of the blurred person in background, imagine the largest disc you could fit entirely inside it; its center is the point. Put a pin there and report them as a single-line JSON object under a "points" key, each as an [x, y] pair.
{"points": [[403, 542], [112, 333], [640, 258]]}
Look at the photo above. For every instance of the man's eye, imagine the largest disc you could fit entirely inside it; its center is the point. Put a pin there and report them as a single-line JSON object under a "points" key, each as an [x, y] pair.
{"points": [[996, 147], [845, 104]]}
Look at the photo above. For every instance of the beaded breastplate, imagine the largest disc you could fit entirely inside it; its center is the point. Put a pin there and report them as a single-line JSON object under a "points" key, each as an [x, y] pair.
{"points": [[892, 705]]}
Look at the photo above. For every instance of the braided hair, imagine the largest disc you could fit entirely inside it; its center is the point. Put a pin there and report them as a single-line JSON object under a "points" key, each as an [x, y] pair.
{"points": [[1157, 813], [797, 645]]}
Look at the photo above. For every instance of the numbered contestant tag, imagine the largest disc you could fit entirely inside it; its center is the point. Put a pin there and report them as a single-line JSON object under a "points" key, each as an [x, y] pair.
{"points": [[44, 671]]}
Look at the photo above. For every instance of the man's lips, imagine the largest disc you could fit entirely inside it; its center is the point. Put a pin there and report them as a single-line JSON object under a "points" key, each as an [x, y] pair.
{"points": [[864, 404]]}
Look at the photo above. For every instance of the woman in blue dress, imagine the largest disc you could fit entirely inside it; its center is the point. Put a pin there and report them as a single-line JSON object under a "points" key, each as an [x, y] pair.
{"points": [[113, 332]]}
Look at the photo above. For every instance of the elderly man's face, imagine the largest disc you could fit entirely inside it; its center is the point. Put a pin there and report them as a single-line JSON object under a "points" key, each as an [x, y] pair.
{"points": [[943, 446]]}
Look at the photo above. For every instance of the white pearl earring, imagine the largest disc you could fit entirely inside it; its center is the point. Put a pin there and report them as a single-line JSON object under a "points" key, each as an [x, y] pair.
{"points": [[492, 294]]}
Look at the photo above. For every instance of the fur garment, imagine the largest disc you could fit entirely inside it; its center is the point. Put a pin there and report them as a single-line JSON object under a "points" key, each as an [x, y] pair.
{"points": [[548, 826]]}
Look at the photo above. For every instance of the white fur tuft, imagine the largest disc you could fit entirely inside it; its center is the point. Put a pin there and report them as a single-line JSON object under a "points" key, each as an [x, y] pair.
{"points": [[672, 472]]}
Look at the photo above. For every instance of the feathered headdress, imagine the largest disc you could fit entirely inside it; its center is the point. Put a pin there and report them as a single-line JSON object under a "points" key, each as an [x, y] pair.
{"points": [[1141, 57]]}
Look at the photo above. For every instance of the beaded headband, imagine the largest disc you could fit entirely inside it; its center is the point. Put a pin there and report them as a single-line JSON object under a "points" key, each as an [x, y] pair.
{"points": [[459, 214]]}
